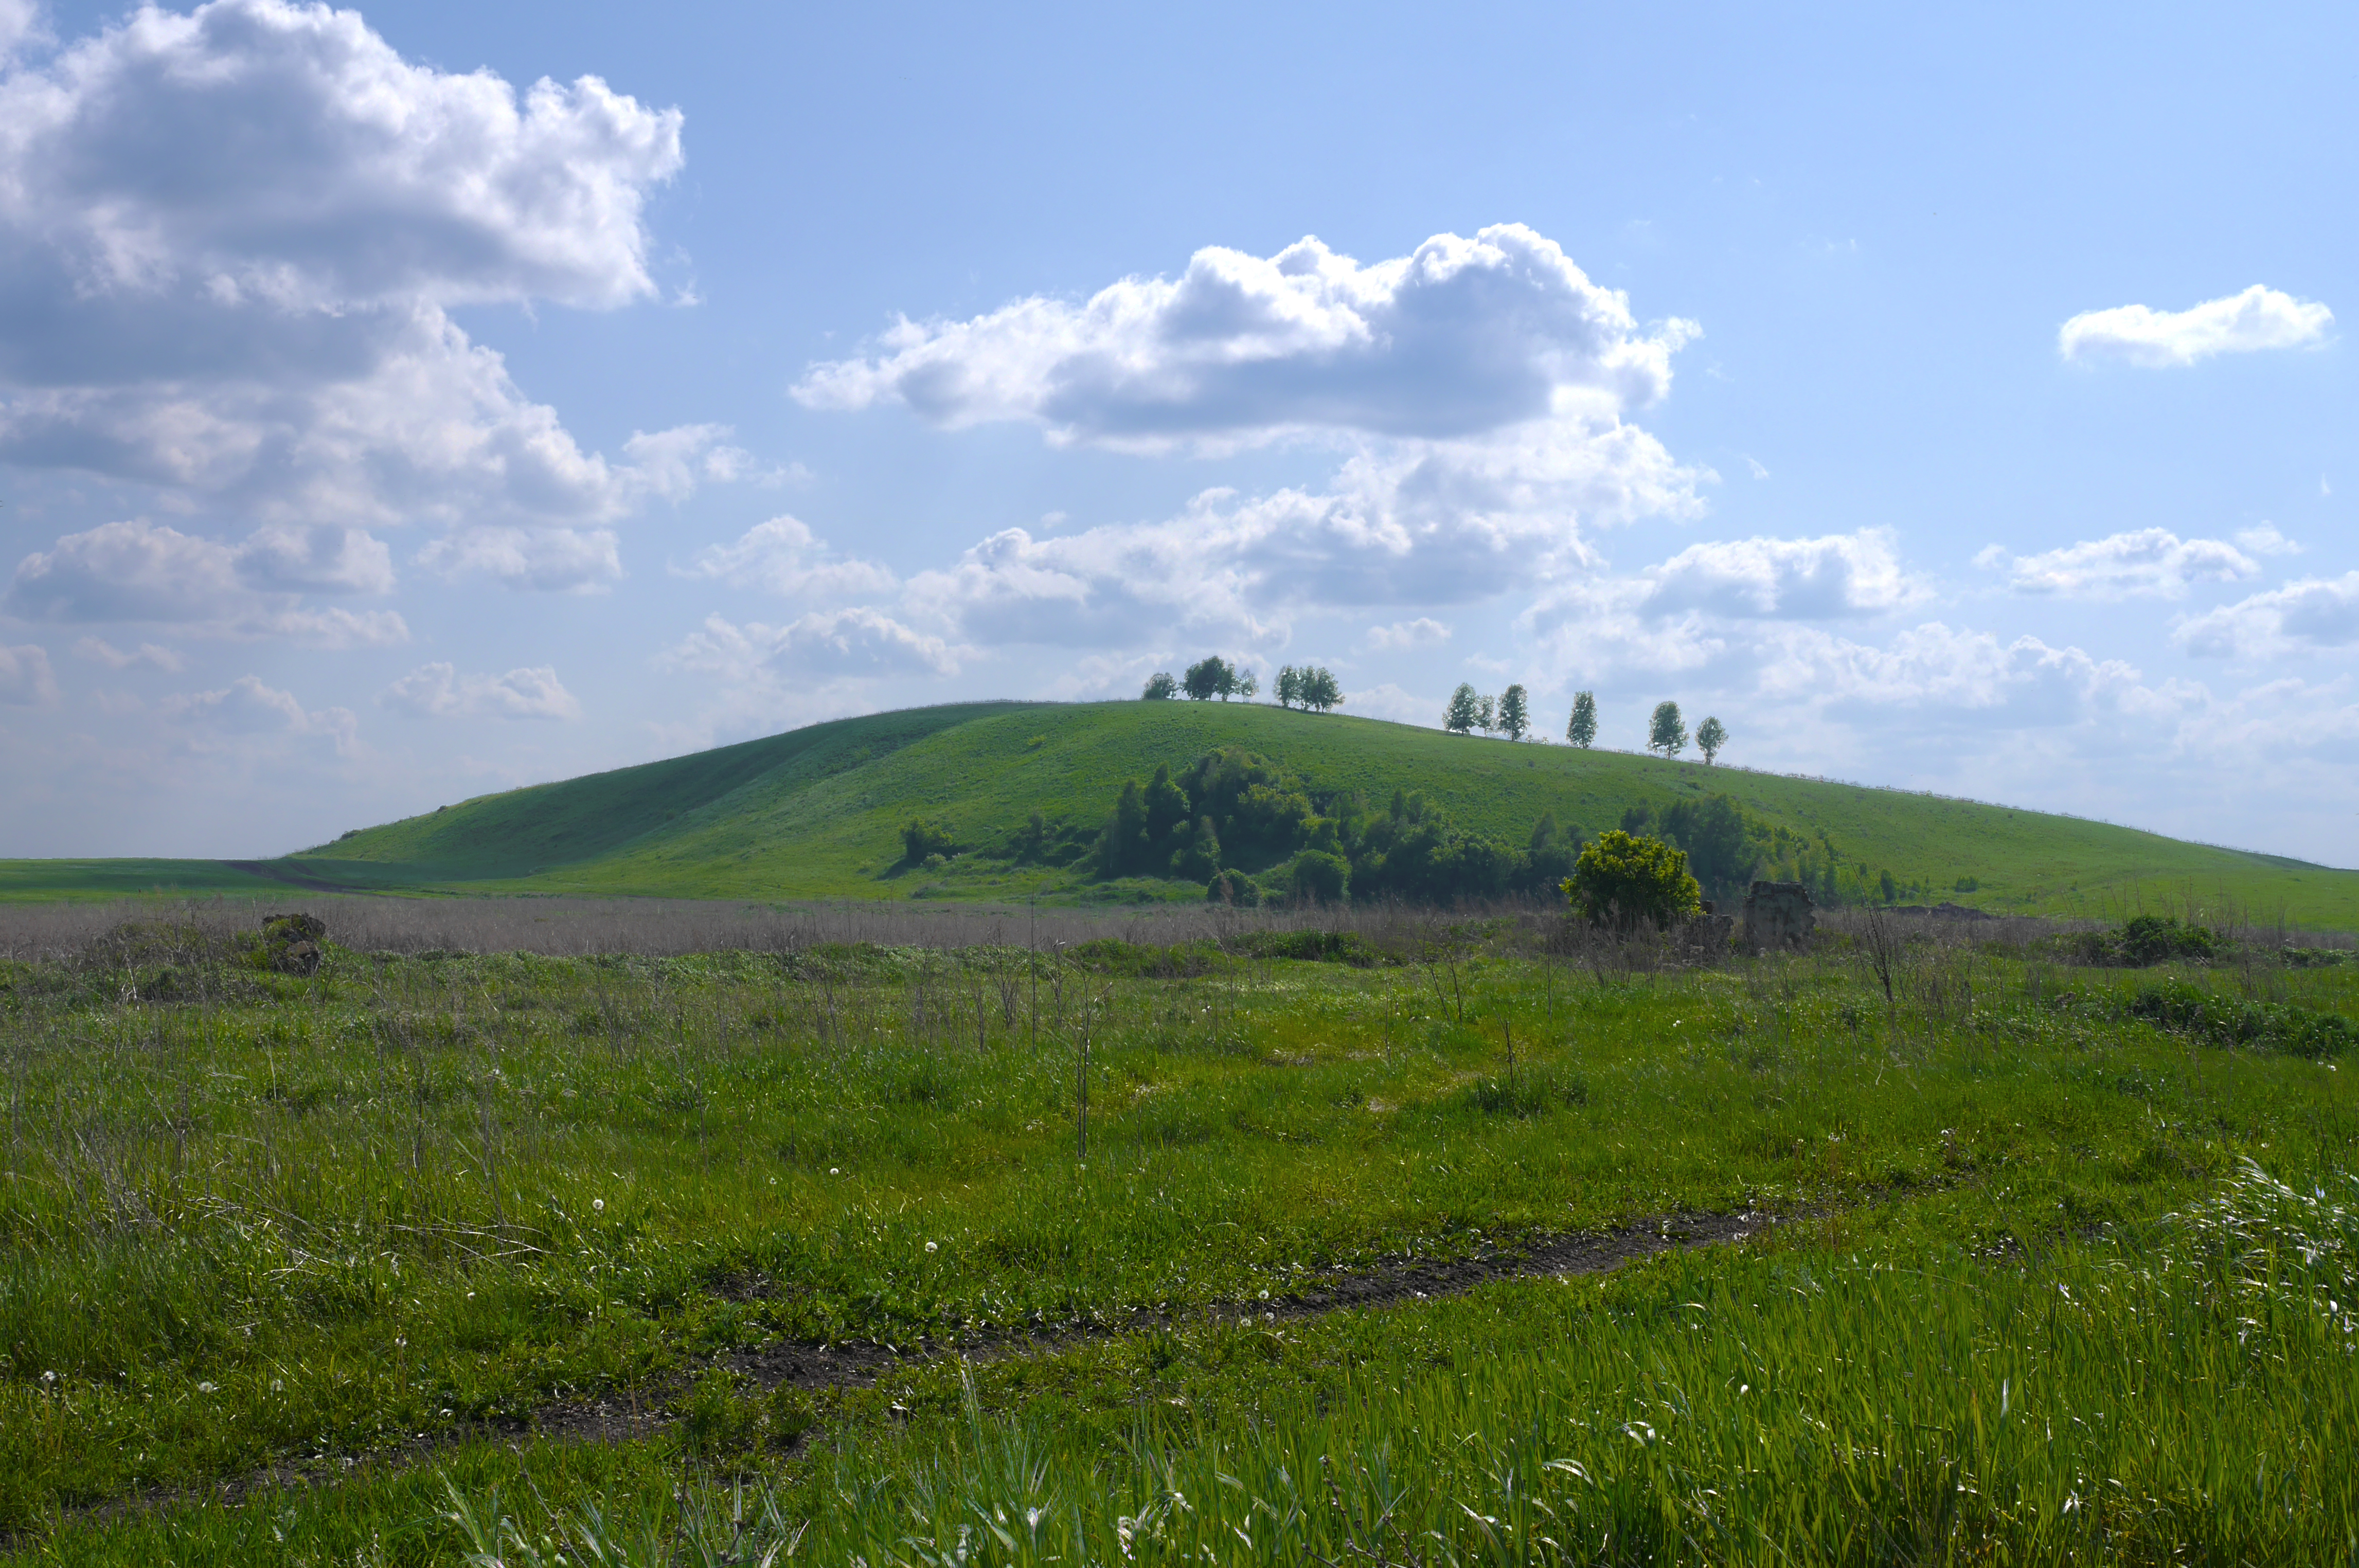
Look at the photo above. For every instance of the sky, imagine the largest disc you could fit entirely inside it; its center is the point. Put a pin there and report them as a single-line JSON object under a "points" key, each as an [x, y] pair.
{"points": [[402, 405]]}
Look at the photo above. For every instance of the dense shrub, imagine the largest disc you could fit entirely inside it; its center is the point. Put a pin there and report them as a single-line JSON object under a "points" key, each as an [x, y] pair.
{"points": [[920, 838], [2142, 941], [1313, 947], [2185, 1008], [1622, 880]]}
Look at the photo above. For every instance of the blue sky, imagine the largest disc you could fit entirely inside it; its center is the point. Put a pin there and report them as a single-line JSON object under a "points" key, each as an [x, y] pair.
{"points": [[401, 405]]}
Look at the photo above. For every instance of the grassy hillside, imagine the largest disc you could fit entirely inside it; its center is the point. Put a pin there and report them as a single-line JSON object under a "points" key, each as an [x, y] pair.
{"points": [[816, 812]]}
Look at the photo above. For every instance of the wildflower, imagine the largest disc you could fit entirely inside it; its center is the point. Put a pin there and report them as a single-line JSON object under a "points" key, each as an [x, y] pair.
{"points": [[929, 1246], [49, 1376], [833, 1172], [204, 1388], [598, 1203]]}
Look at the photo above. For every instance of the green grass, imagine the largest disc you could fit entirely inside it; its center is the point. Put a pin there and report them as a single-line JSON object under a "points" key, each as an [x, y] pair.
{"points": [[816, 812], [273, 1218], [54, 881]]}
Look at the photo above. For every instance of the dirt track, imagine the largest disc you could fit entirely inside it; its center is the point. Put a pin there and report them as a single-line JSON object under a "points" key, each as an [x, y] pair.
{"points": [[643, 1412]]}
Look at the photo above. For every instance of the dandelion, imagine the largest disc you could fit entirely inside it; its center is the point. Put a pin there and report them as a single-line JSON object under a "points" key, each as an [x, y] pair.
{"points": [[204, 1388], [929, 1246], [833, 1172], [598, 1203], [49, 1376]]}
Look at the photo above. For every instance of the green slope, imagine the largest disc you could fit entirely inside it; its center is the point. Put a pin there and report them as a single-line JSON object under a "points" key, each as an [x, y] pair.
{"points": [[816, 812]]}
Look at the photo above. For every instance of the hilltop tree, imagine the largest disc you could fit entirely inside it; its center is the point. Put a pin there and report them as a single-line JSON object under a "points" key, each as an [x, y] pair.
{"points": [[1464, 711], [1486, 713], [1666, 732], [1582, 730], [1289, 686], [1515, 712], [1320, 689], [1620, 881], [1242, 684], [1160, 687], [1209, 677], [1711, 735]]}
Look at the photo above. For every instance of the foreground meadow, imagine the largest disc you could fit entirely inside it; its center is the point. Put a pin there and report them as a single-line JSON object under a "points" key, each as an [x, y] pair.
{"points": [[436, 1256]]}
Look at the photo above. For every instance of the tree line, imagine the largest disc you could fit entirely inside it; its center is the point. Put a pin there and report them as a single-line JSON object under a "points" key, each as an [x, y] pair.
{"points": [[1510, 714], [1247, 827]]}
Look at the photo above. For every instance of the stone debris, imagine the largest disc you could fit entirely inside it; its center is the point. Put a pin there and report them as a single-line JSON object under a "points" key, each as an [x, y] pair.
{"points": [[290, 942]]}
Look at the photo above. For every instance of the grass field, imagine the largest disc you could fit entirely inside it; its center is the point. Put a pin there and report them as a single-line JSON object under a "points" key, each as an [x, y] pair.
{"points": [[2049, 1280], [817, 814]]}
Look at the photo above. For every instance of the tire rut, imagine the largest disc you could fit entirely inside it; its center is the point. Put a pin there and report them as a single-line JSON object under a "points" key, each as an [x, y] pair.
{"points": [[646, 1410]]}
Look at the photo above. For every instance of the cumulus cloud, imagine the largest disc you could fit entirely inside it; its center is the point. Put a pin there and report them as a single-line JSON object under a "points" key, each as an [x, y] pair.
{"points": [[99, 651], [784, 557], [1834, 578], [26, 678], [1935, 665], [2305, 615], [228, 244], [249, 708], [2242, 323], [552, 560], [138, 571], [438, 691], [1431, 524], [844, 643], [2144, 561], [1463, 336], [1421, 632]]}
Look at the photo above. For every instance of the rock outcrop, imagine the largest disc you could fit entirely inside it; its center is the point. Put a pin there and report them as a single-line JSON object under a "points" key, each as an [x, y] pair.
{"points": [[1778, 917], [290, 942]]}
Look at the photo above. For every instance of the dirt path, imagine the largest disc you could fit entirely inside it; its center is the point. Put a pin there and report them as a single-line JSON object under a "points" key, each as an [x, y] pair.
{"points": [[644, 1412]]}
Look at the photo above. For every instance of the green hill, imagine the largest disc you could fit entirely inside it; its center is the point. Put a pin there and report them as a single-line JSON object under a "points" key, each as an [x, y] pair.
{"points": [[817, 813]]}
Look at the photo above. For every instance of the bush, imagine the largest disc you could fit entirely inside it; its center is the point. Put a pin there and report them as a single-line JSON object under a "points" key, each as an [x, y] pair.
{"points": [[2185, 1008], [1319, 877], [920, 838], [1231, 887], [1620, 881], [2145, 940], [1313, 946]]}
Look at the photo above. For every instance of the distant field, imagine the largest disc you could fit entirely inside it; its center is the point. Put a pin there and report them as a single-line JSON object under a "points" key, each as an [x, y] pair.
{"points": [[30, 881], [816, 812]]}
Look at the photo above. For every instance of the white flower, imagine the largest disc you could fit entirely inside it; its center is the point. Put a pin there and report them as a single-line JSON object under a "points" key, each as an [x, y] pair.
{"points": [[833, 1172], [598, 1203], [929, 1246], [204, 1388]]}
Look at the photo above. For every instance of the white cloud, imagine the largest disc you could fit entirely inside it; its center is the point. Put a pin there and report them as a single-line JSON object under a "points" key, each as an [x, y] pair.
{"points": [[1932, 666], [551, 561], [141, 572], [98, 651], [1422, 632], [1462, 336], [2265, 540], [439, 690], [26, 678], [1404, 524], [249, 708], [1839, 575], [2145, 561], [2257, 319], [2308, 614], [784, 557], [1390, 702], [844, 643], [228, 244]]}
